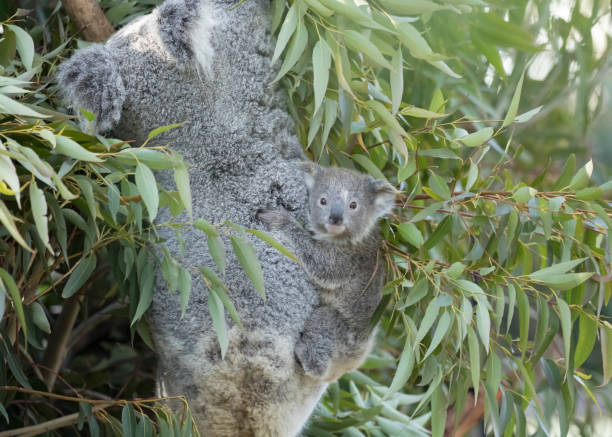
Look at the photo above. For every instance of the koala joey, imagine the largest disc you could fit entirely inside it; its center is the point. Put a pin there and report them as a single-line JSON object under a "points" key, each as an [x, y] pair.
{"points": [[339, 251]]}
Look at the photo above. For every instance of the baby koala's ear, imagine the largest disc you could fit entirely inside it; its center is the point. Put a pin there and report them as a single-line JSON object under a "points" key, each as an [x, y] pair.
{"points": [[384, 196], [310, 170]]}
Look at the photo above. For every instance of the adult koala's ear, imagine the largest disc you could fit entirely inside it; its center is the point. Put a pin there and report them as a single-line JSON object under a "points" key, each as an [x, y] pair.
{"points": [[384, 196], [310, 170]]}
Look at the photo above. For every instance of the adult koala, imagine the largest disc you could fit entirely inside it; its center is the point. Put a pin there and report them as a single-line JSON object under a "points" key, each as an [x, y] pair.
{"points": [[207, 63]]}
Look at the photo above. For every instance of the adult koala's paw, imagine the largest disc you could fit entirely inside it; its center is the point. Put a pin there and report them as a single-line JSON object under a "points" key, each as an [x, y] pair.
{"points": [[91, 80], [275, 219]]}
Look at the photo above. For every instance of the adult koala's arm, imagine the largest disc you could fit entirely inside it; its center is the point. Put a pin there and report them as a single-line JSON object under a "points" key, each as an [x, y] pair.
{"points": [[91, 79]]}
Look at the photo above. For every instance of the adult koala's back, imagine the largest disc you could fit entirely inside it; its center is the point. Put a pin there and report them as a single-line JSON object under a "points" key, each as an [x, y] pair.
{"points": [[159, 70]]}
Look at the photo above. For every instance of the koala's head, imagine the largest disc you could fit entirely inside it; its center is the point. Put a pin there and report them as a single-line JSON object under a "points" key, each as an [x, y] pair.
{"points": [[345, 204]]}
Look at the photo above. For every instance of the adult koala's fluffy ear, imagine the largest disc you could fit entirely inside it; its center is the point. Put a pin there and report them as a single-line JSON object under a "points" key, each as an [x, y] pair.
{"points": [[310, 170], [384, 196]]}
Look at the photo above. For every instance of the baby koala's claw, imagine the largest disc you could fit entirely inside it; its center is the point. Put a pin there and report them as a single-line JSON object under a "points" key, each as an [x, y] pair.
{"points": [[274, 218]]}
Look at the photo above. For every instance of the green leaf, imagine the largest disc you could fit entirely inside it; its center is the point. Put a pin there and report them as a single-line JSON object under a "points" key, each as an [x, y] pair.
{"points": [[524, 194], [128, 420], [473, 289], [145, 294], [216, 248], [413, 111], [8, 285], [359, 43], [439, 402], [606, 351], [368, 165], [25, 45], [386, 116], [295, 50], [555, 270], [215, 307], [348, 8], [477, 138], [264, 236], [474, 350], [441, 231], [8, 174], [403, 371], [431, 314], [319, 8], [184, 288], [147, 187], [422, 215], [248, 260], [566, 327], [155, 132], [566, 281], [439, 153], [79, 276], [526, 116], [287, 29], [68, 147], [443, 325], [87, 192], [483, 320], [582, 178], [396, 77], [331, 113], [411, 38], [587, 335], [9, 223], [411, 7], [590, 193], [472, 176], [514, 103], [39, 317], [206, 227], [567, 174], [411, 234], [523, 308], [439, 186], [222, 294], [321, 63], [10, 106], [39, 212]]}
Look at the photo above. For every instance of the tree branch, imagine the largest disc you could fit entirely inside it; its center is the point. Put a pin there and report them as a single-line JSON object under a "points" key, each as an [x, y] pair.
{"points": [[88, 19], [56, 349], [41, 428]]}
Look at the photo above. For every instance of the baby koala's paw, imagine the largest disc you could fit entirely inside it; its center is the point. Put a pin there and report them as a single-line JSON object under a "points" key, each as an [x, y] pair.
{"points": [[275, 219]]}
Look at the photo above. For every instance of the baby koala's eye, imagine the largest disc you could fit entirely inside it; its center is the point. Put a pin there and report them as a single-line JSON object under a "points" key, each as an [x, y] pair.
{"points": [[323, 201], [353, 205]]}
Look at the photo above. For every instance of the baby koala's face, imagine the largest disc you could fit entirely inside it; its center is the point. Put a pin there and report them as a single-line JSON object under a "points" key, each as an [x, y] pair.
{"points": [[344, 205]]}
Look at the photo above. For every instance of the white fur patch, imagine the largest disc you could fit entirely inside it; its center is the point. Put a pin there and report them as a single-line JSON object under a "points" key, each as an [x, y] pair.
{"points": [[200, 38]]}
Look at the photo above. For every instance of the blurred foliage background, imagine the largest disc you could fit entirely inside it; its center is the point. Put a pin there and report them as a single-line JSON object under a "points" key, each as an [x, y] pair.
{"points": [[491, 116]]}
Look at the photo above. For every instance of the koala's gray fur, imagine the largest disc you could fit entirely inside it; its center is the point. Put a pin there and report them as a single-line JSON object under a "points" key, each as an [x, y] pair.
{"points": [[339, 250], [240, 139]]}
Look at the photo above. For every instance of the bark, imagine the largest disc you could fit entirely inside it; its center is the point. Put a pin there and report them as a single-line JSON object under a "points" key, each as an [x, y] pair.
{"points": [[89, 19]]}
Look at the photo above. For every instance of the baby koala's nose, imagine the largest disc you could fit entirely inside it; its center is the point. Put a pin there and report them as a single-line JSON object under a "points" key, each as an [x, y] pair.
{"points": [[335, 219], [335, 214]]}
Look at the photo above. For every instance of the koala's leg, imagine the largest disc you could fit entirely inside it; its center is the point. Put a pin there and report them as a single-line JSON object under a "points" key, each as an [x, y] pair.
{"points": [[90, 80], [317, 344]]}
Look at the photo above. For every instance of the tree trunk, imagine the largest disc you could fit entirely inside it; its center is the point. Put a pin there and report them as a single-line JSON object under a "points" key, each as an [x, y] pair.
{"points": [[88, 19]]}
